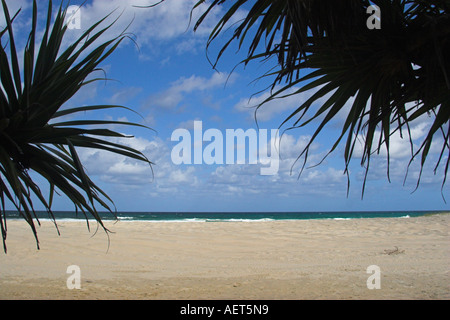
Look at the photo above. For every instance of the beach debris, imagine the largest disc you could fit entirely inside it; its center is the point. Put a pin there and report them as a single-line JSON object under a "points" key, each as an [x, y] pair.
{"points": [[393, 251]]}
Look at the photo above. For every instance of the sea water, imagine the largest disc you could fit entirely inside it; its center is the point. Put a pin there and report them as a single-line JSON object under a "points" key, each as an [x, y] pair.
{"points": [[224, 216]]}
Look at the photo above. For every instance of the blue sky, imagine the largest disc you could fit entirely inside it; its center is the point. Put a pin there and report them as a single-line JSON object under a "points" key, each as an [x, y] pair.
{"points": [[165, 76]]}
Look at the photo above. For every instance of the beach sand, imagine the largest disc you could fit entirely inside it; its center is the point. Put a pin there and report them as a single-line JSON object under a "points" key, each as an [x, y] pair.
{"points": [[303, 259]]}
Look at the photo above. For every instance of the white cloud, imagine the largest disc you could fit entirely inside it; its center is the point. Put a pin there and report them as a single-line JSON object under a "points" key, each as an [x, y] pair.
{"points": [[172, 97], [152, 26], [399, 144], [248, 177], [118, 169], [125, 173], [401, 170], [14, 7], [124, 95], [270, 109], [188, 124], [285, 104], [183, 176], [230, 180]]}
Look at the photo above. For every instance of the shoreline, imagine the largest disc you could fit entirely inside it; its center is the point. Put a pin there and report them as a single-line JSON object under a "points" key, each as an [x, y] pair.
{"points": [[278, 259], [202, 219]]}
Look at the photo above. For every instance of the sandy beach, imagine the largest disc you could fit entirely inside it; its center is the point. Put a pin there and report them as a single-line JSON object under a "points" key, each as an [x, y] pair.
{"points": [[303, 259]]}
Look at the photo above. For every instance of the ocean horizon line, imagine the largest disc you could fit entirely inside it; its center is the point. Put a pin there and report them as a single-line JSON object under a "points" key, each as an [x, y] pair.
{"points": [[226, 216]]}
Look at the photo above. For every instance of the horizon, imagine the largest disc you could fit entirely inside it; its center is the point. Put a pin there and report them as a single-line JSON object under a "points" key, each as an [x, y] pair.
{"points": [[244, 212]]}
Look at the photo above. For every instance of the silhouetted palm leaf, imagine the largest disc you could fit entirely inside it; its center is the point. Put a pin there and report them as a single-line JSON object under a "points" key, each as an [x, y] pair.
{"points": [[32, 138], [395, 74]]}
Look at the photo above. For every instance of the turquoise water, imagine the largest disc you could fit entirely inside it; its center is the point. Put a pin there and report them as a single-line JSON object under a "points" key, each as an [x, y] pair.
{"points": [[229, 216]]}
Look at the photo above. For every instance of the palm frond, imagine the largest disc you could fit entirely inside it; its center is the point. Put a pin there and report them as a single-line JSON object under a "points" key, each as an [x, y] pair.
{"points": [[31, 137], [326, 46]]}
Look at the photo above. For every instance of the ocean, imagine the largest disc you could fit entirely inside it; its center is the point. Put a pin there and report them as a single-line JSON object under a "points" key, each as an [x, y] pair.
{"points": [[226, 216]]}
